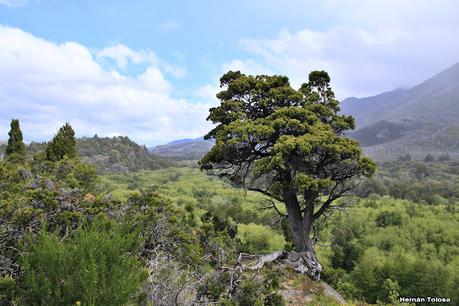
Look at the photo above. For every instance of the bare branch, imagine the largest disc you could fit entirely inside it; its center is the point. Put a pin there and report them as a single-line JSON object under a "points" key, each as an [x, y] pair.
{"points": [[265, 193], [273, 205]]}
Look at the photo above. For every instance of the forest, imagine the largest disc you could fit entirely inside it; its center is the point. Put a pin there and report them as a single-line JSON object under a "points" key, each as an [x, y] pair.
{"points": [[152, 231], [113, 229]]}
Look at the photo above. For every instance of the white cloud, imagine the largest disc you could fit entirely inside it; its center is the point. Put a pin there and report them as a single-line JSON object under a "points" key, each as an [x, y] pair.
{"points": [[180, 72], [207, 92], [46, 84], [368, 47], [248, 66], [122, 55]]}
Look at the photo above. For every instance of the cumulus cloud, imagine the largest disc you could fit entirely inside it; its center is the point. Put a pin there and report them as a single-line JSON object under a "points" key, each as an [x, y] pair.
{"points": [[208, 92], [368, 47], [122, 55], [45, 84]]}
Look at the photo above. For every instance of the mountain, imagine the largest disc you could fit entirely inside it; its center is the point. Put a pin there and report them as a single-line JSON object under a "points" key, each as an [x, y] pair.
{"points": [[420, 120], [111, 155], [185, 140], [184, 149], [363, 109]]}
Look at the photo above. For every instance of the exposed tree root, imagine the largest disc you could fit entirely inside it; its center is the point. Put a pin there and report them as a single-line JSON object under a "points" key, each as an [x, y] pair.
{"points": [[301, 262]]}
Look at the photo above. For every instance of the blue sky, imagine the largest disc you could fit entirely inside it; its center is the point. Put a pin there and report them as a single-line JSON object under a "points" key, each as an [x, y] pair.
{"points": [[150, 69]]}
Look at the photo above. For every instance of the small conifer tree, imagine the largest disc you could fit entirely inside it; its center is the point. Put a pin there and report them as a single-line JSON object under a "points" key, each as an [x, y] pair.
{"points": [[63, 144], [15, 145]]}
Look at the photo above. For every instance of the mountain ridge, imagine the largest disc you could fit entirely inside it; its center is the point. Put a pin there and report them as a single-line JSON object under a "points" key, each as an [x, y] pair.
{"points": [[184, 149], [442, 89], [110, 155], [420, 120]]}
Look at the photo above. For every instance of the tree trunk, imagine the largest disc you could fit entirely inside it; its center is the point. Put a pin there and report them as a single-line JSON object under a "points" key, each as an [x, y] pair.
{"points": [[304, 258]]}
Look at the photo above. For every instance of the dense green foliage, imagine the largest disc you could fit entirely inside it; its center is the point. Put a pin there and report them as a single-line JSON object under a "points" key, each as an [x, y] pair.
{"points": [[62, 145], [15, 149], [118, 154], [412, 243], [287, 144], [189, 187], [425, 182], [385, 245], [63, 242], [93, 266], [110, 155], [95, 239]]}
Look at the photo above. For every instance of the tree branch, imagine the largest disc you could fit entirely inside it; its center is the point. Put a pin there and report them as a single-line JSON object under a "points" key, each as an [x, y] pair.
{"points": [[273, 205], [265, 193], [330, 199]]}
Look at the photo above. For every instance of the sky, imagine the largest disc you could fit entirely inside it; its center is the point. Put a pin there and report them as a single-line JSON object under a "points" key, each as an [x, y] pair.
{"points": [[150, 69]]}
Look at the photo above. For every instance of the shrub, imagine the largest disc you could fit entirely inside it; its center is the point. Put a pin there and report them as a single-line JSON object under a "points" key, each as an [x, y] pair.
{"points": [[387, 218], [7, 289], [93, 267], [257, 239]]}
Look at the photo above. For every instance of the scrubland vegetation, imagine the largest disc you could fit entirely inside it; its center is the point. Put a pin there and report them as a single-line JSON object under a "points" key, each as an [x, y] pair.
{"points": [[80, 227], [71, 236], [378, 248]]}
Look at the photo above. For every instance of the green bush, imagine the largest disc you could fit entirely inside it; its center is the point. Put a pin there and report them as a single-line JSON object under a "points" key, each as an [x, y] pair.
{"points": [[96, 266], [258, 239], [387, 218], [7, 289]]}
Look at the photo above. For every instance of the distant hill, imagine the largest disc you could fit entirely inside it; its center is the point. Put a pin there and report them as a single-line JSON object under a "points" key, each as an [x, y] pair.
{"points": [[184, 149], [185, 140], [420, 120], [117, 154]]}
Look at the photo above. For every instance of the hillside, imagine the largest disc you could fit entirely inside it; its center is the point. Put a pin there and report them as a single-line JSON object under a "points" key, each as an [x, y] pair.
{"points": [[377, 248], [111, 155], [421, 120], [184, 149], [147, 249]]}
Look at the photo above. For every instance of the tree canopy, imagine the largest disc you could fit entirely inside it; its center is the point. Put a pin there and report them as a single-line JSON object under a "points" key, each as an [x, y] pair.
{"points": [[63, 144], [285, 143], [15, 142]]}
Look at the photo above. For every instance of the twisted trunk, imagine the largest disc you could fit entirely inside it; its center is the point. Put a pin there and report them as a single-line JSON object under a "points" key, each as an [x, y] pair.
{"points": [[303, 259], [304, 256]]}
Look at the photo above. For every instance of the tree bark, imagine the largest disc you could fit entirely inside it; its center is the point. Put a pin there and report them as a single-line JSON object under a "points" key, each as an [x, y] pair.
{"points": [[304, 258]]}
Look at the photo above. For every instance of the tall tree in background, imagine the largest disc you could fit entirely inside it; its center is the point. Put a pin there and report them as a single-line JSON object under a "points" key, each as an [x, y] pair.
{"points": [[15, 145], [63, 144], [289, 145]]}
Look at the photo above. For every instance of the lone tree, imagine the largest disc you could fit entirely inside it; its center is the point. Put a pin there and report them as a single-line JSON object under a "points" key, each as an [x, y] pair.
{"points": [[289, 145], [63, 144], [15, 147]]}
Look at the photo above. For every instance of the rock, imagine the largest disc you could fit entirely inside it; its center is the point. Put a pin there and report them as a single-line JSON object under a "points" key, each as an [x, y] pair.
{"points": [[299, 293]]}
